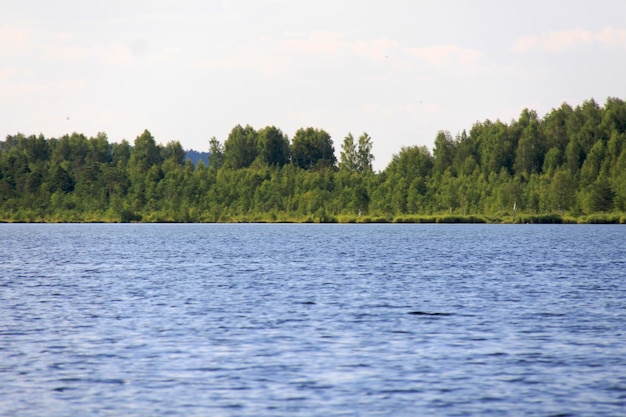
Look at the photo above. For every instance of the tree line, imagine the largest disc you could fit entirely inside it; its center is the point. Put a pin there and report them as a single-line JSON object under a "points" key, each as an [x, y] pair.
{"points": [[569, 165]]}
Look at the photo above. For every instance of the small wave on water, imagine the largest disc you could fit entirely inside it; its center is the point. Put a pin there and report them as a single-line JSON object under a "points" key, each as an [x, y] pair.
{"points": [[410, 320], [429, 314]]}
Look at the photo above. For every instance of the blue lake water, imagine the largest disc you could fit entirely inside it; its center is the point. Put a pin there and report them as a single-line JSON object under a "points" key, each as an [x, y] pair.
{"points": [[268, 320]]}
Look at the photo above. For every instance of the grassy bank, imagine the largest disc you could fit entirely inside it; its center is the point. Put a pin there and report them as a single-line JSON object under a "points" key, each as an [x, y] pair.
{"points": [[320, 217]]}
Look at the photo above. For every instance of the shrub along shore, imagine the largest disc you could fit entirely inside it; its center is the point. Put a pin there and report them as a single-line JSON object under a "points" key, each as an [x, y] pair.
{"points": [[347, 219]]}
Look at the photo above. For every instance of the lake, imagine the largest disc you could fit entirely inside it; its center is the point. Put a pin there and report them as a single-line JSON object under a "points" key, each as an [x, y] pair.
{"points": [[303, 319]]}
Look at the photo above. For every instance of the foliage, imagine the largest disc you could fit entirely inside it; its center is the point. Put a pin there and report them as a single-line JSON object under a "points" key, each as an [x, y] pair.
{"points": [[569, 166], [240, 149], [312, 148]]}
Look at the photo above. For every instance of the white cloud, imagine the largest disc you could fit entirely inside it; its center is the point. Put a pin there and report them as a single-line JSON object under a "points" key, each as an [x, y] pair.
{"points": [[33, 89], [36, 48], [14, 38], [562, 41], [445, 55], [71, 49], [612, 37], [277, 57]]}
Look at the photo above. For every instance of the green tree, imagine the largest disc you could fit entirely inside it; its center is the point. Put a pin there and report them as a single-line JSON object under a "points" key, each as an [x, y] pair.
{"points": [[562, 190], [240, 149], [121, 153], [411, 162], [349, 157], [530, 148], [600, 196], [273, 146], [443, 151], [61, 180], [495, 147], [145, 154], [174, 151], [552, 161], [406, 175], [216, 154], [619, 182], [614, 116], [591, 167], [591, 130], [365, 157], [556, 129], [312, 147], [465, 149], [574, 160]]}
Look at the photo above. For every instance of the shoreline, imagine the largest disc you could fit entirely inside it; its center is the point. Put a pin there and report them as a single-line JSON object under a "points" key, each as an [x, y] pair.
{"points": [[614, 218]]}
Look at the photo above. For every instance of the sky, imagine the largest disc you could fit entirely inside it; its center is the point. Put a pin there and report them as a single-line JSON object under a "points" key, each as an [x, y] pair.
{"points": [[399, 70]]}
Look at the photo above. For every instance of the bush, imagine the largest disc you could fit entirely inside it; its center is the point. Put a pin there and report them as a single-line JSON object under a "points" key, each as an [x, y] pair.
{"points": [[603, 219], [540, 219], [127, 216], [460, 219]]}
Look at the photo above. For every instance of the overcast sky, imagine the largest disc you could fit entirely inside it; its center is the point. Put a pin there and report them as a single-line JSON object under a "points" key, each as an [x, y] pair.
{"points": [[399, 70]]}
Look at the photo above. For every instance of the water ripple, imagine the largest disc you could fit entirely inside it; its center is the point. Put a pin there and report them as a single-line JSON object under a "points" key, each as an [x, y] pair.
{"points": [[267, 320]]}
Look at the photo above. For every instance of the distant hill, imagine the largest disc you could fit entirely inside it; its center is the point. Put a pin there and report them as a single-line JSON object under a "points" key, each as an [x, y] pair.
{"points": [[196, 156]]}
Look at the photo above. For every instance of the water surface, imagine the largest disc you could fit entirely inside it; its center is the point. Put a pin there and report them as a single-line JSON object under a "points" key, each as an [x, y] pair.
{"points": [[266, 320]]}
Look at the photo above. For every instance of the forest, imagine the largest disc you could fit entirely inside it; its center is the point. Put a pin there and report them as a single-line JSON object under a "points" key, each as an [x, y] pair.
{"points": [[567, 166]]}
